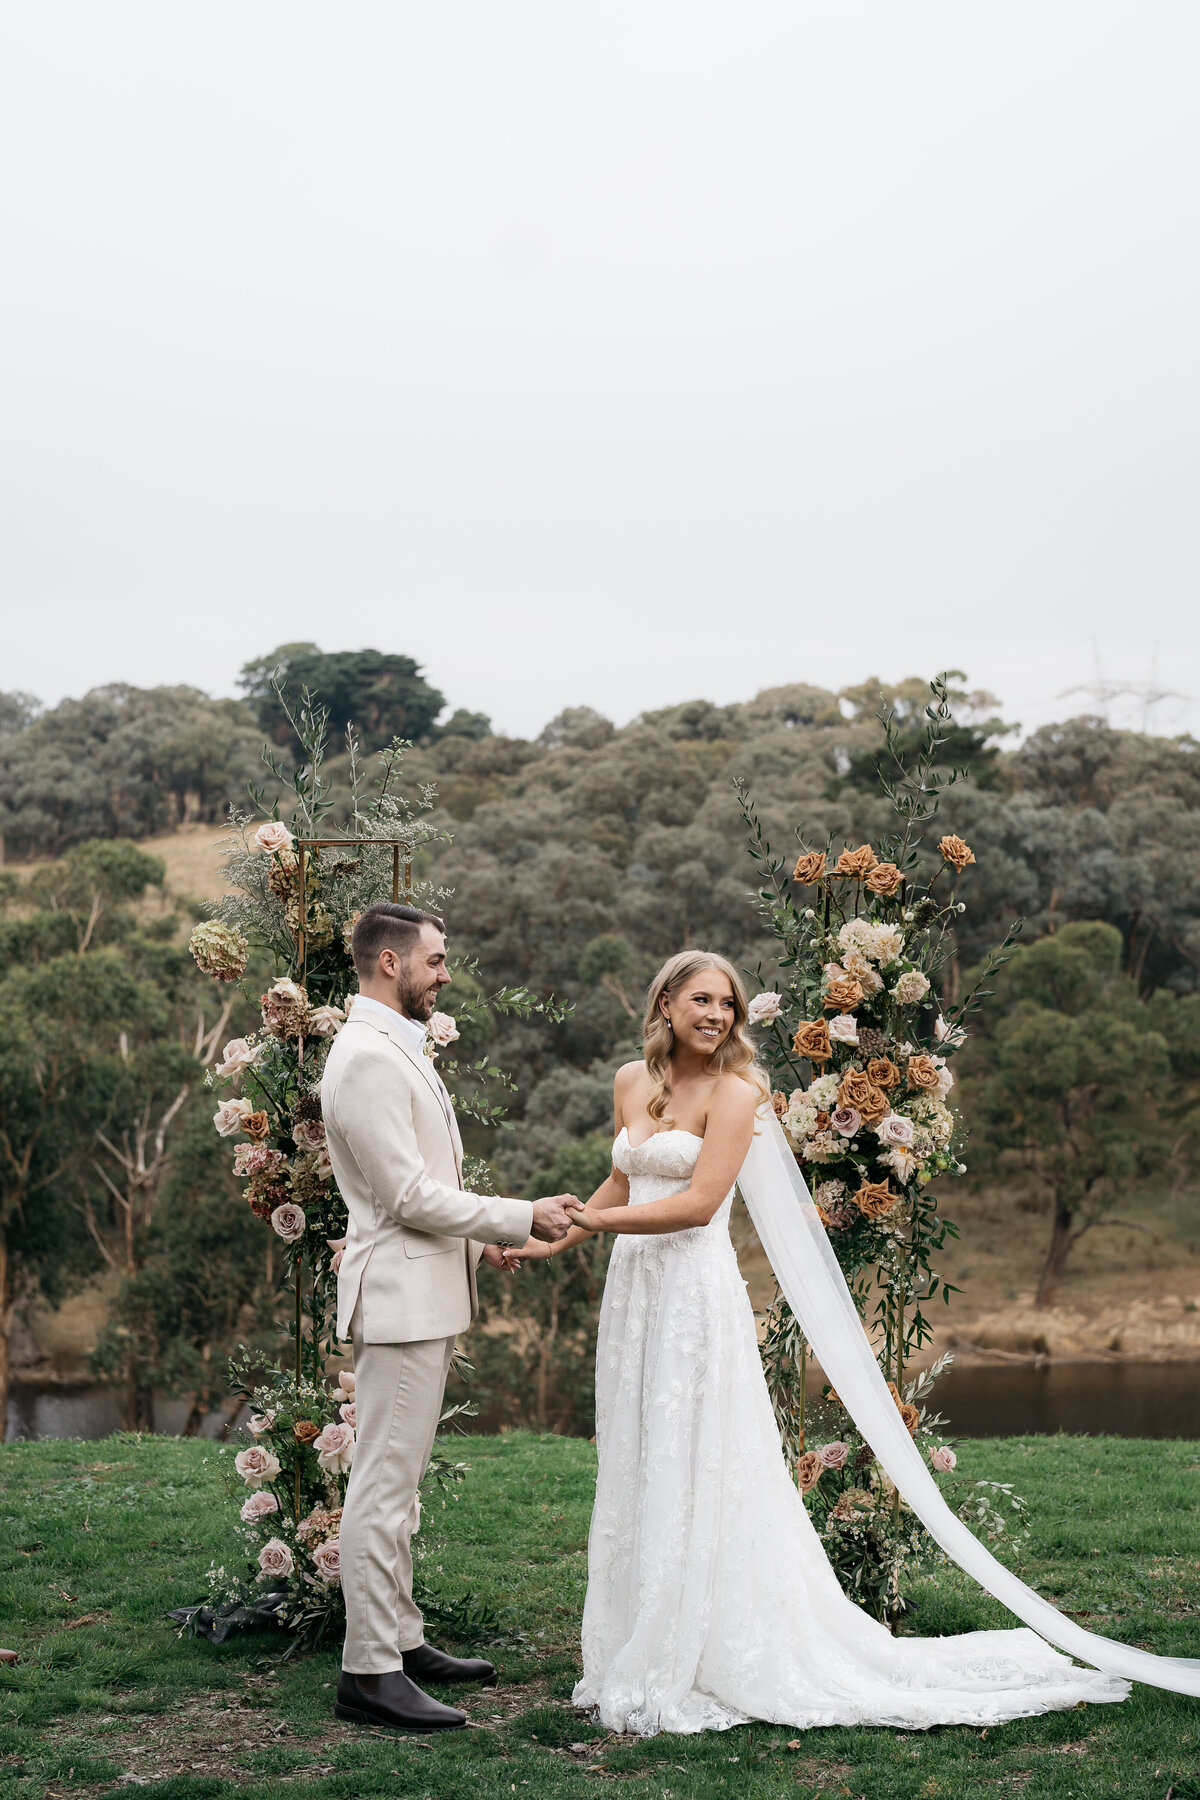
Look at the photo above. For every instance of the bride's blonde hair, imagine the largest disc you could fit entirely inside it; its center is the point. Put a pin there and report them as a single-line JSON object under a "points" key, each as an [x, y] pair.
{"points": [[735, 1055]]}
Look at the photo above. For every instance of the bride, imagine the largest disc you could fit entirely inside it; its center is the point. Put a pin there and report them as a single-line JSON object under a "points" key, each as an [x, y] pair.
{"points": [[710, 1600]]}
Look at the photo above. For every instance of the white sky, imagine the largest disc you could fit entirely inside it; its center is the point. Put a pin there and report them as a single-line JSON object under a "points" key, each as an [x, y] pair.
{"points": [[606, 354]]}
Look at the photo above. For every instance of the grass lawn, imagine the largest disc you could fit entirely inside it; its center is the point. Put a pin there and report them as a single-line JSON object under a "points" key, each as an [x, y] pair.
{"points": [[98, 1539]]}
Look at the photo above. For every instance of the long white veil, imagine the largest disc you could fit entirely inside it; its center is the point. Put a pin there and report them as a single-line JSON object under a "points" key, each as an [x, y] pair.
{"points": [[791, 1233]]}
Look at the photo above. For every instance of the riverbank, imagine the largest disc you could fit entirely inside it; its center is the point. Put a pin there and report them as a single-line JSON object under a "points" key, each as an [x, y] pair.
{"points": [[99, 1540]]}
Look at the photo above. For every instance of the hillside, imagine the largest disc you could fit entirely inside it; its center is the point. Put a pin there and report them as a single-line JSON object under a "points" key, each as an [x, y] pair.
{"points": [[575, 863]]}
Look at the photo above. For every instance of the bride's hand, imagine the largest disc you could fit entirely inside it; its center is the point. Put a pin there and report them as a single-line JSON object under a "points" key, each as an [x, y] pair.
{"points": [[501, 1256], [531, 1251], [582, 1216]]}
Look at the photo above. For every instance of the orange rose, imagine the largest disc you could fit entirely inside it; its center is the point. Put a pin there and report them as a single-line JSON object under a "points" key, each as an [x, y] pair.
{"points": [[779, 1103], [812, 1040], [875, 1200], [956, 853], [256, 1125], [909, 1414], [843, 994], [859, 1091], [858, 862], [822, 1214], [883, 1072], [304, 1431], [809, 1470], [810, 869], [924, 1074], [821, 1122], [884, 879]]}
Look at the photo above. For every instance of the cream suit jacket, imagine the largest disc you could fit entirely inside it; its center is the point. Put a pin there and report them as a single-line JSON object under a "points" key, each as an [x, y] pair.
{"points": [[397, 1157]]}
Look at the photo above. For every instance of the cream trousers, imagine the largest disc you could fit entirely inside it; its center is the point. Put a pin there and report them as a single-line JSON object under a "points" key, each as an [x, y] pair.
{"points": [[398, 1390]]}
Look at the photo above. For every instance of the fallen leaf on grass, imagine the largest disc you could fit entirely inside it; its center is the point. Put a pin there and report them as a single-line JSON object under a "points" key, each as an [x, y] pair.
{"points": [[85, 1619]]}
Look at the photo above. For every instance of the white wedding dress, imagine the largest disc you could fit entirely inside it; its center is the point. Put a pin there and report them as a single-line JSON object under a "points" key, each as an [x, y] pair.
{"points": [[710, 1599]]}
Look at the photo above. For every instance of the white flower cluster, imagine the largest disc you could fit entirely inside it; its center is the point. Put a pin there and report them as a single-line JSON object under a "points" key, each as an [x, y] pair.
{"points": [[878, 943], [800, 1120]]}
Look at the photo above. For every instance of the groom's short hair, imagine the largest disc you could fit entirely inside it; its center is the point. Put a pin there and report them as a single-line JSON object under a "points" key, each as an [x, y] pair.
{"points": [[387, 925]]}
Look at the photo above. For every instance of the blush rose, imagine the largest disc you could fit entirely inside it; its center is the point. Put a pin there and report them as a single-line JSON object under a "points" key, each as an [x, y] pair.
{"points": [[260, 1505], [289, 1222], [256, 1465], [327, 1561], [763, 1008], [275, 1560], [231, 1116], [335, 1448], [442, 1029], [274, 835]]}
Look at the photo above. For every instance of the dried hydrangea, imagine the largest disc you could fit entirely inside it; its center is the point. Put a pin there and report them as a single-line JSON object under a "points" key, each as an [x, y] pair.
{"points": [[220, 950]]}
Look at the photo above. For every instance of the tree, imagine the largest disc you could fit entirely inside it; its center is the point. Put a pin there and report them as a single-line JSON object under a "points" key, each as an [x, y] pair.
{"points": [[58, 1021], [102, 1041], [17, 711], [147, 1084], [463, 724], [202, 1284], [1065, 1086], [121, 762], [383, 696]]}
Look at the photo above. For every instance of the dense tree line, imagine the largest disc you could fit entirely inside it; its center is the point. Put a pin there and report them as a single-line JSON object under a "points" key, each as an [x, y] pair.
{"points": [[573, 863]]}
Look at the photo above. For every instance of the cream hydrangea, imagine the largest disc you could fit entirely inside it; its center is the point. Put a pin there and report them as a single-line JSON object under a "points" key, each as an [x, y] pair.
{"points": [[887, 944], [911, 987], [880, 944], [823, 1092]]}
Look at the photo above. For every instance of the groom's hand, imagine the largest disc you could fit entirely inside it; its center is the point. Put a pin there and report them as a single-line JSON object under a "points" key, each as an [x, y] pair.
{"points": [[551, 1220]]}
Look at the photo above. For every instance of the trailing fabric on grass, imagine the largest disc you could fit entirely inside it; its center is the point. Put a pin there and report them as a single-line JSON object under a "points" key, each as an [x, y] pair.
{"points": [[806, 1268]]}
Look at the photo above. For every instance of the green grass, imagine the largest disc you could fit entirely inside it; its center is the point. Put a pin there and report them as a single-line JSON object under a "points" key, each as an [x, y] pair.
{"points": [[98, 1539]]}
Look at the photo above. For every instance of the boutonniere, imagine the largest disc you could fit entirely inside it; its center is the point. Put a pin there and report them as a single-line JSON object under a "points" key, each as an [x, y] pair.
{"points": [[440, 1031]]}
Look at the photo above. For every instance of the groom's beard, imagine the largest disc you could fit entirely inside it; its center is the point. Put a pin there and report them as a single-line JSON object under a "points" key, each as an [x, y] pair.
{"points": [[417, 998]]}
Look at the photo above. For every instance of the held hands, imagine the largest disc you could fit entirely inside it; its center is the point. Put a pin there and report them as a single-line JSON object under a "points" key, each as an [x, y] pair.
{"points": [[551, 1219], [582, 1215]]}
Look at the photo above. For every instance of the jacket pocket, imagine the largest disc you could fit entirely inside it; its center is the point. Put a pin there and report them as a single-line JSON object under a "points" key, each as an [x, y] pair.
{"points": [[424, 1243]]}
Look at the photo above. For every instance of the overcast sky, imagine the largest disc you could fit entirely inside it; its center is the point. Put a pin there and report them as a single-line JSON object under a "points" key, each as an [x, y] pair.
{"points": [[609, 354]]}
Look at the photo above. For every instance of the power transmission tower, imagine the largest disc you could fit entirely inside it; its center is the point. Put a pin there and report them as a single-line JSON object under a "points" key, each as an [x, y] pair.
{"points": [[1104, 690]]}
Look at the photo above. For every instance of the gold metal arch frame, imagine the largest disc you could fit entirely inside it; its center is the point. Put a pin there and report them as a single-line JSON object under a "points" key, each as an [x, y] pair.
{"points": [[305, 845]]}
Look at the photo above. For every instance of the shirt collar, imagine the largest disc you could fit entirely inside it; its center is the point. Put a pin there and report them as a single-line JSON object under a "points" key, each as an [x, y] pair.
{"points": [[412, 1030]]}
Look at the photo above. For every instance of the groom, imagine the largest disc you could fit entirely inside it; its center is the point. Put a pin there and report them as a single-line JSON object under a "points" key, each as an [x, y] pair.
{"points": [[406, 1288]]}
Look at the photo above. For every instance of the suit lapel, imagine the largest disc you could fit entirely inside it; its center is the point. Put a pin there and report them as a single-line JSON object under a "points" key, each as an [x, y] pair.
{"points": [[430, 1074]]}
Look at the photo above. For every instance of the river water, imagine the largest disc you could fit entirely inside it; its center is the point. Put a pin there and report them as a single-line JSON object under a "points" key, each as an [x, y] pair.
{"points": [[1130, 1399]]}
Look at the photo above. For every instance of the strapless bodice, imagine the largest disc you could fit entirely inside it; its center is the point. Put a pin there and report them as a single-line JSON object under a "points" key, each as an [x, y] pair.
{"points": [[667, 1156], [656, 1169]]}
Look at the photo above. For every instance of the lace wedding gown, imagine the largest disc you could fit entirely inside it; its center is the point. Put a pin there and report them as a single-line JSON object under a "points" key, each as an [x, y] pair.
{"points": [[710, 1599]]}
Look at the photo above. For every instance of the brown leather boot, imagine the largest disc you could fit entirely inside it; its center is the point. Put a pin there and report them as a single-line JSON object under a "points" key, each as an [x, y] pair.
{"points": [[396, 1703]]}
